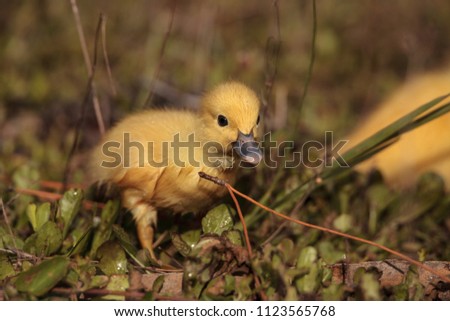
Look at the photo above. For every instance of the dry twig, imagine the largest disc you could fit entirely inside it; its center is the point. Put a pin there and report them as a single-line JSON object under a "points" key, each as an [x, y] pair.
{"points": [[5, 216], [55, 197], [90, 67], [90, 91], [148, 101], [311, 60], [272, 55], [105, 56]]}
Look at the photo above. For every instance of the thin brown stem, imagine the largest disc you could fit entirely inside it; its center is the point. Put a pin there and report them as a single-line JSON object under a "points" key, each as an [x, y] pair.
{"points": [[247, 240], [21, 255], [90, 92], [221, 182], [272, 55], [241, 217], [5, 216], [87, 61], [311, 60], [136, 295], [162, 50], [55, 197], [105, 56]]}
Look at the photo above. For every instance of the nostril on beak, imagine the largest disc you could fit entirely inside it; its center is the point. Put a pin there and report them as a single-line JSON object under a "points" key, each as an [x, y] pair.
{"points": [[248, 148], [243, 138]]}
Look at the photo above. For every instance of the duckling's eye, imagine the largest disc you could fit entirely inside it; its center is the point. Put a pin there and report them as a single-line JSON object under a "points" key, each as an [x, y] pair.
{"points": [[257, 121], [222, 120]]}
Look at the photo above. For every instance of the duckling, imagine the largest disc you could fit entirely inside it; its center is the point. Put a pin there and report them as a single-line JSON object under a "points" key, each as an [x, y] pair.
{"points": [[426, 148], [154, 156]]}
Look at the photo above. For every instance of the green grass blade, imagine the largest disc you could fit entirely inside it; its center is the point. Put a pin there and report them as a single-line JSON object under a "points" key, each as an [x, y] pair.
{"points": [[376, 143], [442, 110], [366, 148]]}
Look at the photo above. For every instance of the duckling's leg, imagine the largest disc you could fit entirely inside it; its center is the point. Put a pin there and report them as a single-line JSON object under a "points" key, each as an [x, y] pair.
{"points": [[145, 216]]}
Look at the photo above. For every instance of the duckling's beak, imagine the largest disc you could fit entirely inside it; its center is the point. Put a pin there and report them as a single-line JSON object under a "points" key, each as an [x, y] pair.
{"points": [[248, 148]]}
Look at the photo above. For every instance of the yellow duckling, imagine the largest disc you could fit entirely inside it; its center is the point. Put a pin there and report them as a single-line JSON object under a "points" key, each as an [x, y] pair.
{"points": [[155, 156], [426, 148]]}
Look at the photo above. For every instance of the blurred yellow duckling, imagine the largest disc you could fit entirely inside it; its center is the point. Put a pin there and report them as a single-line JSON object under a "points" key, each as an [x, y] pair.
{"points": [[155, 156], [424, 149]]}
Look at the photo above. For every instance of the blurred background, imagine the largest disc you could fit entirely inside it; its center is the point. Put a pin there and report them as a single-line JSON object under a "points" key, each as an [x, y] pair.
{"points": [[364, 49], [167, 53]]}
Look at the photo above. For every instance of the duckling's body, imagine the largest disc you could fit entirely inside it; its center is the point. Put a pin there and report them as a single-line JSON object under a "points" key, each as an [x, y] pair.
{"points": [[155, 156], [163, 184], [424, 149]]}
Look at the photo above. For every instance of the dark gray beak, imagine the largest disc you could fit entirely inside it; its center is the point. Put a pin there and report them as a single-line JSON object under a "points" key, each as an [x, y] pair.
{"points": [[248, 149]]}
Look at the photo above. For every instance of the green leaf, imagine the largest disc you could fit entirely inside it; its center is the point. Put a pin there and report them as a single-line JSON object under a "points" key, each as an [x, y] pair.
{"points": [[49, 239], [26, 176], [79, 239], [9, 241], [69, 207], [244, 288], [286, 248], [343, 222], [334, 292], [41, 278], [380, 197], [410, 288], [117, 283], [6, 268], [430, 188], [38, 216], [309, 282], [46, 241], [31, 214], [104, 230], [158, 284], [370, 286], [218, 220], [329, 253], [127, 245], [234, 236], [191, 237], [307, 257], [181, 245], [112, 258], [98, 281], [307, 260], [230, 284]]}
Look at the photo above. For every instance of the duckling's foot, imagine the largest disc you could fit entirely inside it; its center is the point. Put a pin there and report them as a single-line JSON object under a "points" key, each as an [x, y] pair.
{"points": [[145, 217]]}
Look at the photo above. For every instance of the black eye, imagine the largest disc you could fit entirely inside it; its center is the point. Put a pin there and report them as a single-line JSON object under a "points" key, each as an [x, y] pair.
{"points": [[257, 121], [222, 121]]}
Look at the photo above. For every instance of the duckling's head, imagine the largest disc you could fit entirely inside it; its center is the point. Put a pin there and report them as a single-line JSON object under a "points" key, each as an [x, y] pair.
{"points": [[230, 117]]}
